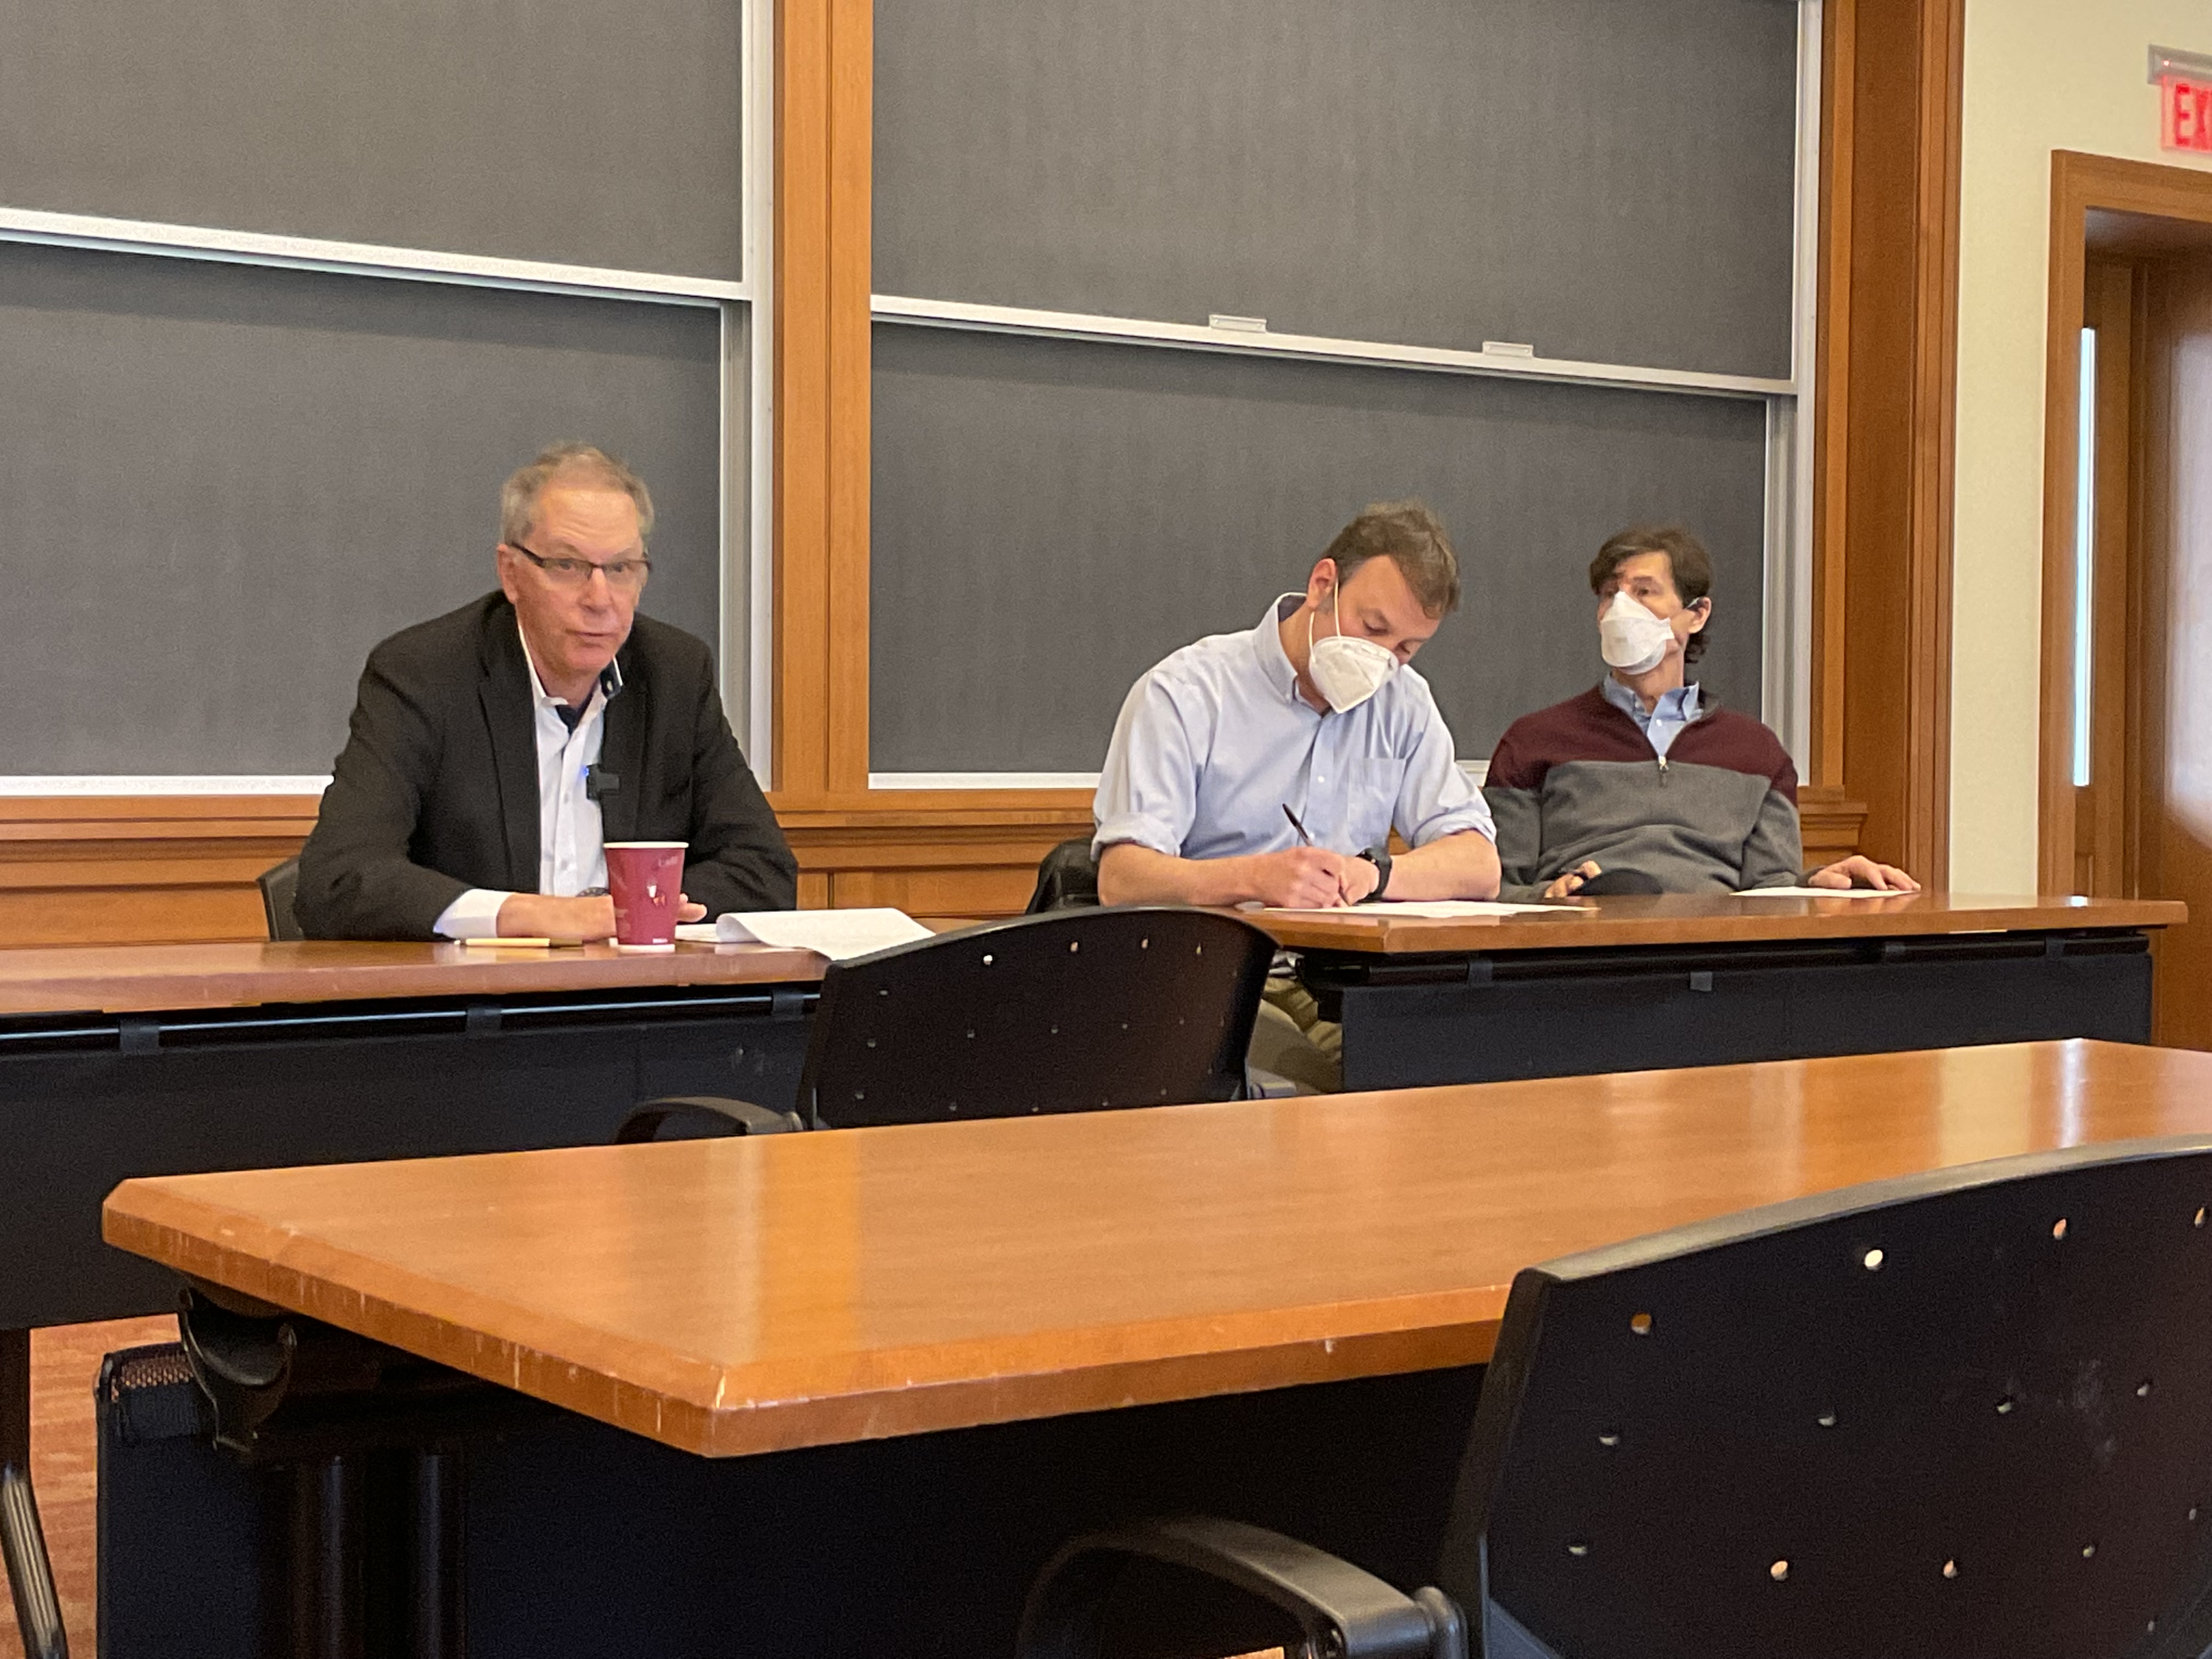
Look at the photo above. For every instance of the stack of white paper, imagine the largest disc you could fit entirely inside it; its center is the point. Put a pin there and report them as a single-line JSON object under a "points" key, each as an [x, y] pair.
{"points": [[1439, 909], [837, 934]]}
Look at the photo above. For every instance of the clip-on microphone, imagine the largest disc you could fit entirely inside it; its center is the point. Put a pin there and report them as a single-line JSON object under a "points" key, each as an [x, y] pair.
{"points": [[599, 783]]}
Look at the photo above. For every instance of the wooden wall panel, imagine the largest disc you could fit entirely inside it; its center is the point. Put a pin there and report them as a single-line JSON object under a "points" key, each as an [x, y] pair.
{"points": [[78, 871], [1888, 354], [1834, 824], [824, 78], [128, 869]]}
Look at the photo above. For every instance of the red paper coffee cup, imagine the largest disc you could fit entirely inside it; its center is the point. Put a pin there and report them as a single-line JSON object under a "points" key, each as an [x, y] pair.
{"points": [[647, 880]]}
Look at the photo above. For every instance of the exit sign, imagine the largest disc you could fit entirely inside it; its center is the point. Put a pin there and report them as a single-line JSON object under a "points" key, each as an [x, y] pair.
{"points": [[2185, 112]]}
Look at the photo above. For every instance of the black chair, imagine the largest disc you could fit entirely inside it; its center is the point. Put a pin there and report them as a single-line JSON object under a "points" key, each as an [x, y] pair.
{"points": [[1959, 1414], [279, 885], [1066, 1013], [1067, 879]]}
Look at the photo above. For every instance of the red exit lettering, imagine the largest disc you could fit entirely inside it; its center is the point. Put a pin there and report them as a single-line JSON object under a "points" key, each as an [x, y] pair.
{"points": [[2186, 107]]}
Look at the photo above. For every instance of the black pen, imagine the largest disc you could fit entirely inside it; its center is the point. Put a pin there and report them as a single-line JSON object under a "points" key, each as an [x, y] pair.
{"points": [[1309, 841]]}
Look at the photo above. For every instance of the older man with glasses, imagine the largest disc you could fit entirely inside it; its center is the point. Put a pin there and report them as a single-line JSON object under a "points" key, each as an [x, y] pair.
{"points": [[496, 749]]}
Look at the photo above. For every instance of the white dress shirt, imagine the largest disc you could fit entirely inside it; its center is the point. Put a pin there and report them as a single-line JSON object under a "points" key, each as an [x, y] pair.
{"points": [[572, 854]]}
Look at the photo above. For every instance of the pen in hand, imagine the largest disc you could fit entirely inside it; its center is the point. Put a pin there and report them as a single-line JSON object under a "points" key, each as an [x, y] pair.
{"points": [[1305, 839]]}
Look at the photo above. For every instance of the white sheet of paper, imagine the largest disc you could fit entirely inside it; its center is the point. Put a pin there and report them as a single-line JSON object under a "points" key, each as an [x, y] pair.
{"points": [[1435, 909], [837, 934], [1813, 892]]}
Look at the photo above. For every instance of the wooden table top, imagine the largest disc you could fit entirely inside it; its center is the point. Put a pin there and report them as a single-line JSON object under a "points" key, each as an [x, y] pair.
{"points": [[151, 978], [1719, 919], [148, 978], [737, 1295]]}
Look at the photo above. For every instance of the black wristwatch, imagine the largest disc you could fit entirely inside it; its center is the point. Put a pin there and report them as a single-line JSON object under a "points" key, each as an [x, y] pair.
{"points": [[1380, 857]]}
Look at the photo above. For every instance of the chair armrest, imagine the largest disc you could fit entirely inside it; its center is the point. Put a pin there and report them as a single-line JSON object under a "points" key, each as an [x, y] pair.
{"points": [[1342, 1611], [721, 1117], [1260, 1083]]}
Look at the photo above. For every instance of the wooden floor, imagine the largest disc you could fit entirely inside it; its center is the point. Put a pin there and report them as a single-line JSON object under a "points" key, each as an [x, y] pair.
{"points": [[63, 1362]]}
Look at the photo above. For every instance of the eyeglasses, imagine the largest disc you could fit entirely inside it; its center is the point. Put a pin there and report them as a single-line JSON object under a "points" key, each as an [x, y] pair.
{"points": [[623, 576]]}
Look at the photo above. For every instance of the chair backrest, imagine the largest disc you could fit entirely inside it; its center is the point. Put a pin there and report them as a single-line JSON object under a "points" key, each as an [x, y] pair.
{"points": [[1964, 1413], [1067, 879], [1066, 1013], [278, 884]]}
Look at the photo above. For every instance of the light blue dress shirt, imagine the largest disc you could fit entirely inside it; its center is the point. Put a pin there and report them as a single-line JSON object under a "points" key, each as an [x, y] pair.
{"points": [[1214, 742], [1661, 723]]}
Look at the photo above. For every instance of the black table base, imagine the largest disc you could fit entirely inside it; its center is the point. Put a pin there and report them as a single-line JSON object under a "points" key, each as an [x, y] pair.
{"points": [[89, 1100], [1413, 1021], [554, 1536]]}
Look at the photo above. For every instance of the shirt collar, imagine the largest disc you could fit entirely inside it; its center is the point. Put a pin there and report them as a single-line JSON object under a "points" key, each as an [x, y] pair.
{"points": [[1268, 648], [1678, 704], [611, 679]]}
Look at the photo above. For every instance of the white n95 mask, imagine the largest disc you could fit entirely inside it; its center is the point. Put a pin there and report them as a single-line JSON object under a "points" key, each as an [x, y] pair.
{"points": [[1345, 671], [1634, 640]]}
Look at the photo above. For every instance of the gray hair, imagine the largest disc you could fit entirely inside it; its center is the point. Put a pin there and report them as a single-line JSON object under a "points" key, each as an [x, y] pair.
{"points": [[568, 463]]}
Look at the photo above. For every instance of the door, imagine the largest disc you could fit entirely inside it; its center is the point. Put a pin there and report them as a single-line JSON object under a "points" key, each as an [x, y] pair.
{"points": [[2173, 760]]}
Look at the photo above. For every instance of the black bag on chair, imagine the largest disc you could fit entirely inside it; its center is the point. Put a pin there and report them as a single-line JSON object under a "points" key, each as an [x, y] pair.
{"points": [[183, 1530]]}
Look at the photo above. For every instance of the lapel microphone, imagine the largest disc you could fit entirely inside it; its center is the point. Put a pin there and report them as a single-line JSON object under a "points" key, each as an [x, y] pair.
{"points": [[599, 783]]}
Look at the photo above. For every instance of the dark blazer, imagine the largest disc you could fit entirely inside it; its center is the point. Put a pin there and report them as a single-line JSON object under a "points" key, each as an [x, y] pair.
{"points": [[437, 789]]}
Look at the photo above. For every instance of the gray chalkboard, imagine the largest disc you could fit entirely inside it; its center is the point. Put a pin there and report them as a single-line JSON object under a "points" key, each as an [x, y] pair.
{"points": [[1050, 518], [223, 485], [1609, 180], [560, 130]]}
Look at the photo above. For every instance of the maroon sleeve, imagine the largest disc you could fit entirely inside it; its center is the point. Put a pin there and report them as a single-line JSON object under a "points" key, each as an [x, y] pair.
{"points": [[1785, 774], [1509, 767]]}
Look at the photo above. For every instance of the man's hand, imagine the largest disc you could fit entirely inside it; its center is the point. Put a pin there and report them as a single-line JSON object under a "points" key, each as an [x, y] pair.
{"points": [[1360, 880], [1311, 878], [1568, 886], [1857, 870], [539, 915], [535, 916]]}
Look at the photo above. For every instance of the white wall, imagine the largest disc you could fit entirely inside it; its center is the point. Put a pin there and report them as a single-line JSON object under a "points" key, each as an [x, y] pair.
{"points": [[2041, 75]]}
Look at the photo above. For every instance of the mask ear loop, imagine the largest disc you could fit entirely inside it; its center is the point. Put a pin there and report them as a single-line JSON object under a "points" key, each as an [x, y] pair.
{"points": [[1335, 589]]}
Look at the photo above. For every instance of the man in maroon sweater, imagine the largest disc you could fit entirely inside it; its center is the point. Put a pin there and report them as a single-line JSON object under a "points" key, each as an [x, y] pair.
{"points": [[1646, 781]]}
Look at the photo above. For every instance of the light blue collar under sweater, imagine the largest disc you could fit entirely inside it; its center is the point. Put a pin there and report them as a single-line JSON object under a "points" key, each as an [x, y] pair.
{"points": [[1661, 723]]}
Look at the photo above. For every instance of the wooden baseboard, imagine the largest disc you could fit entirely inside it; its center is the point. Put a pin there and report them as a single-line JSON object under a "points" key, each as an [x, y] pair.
{"points": [[1831, 825], [130, 870], [935, 854], [79, 870]]}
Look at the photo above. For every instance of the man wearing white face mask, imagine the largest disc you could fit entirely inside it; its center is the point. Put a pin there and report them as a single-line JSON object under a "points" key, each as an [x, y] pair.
{"points": [[1272, 765], [1646, 784]]}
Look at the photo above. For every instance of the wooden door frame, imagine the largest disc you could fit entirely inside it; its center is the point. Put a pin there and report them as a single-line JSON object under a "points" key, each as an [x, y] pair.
{"points": [[2079, 185]]}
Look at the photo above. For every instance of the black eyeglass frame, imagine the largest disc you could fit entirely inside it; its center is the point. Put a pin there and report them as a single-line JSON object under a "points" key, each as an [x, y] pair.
{"points": [[643, 561]]}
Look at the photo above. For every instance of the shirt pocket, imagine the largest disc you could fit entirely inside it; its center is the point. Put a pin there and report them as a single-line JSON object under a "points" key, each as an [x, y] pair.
{"points": [[1371, 796]]}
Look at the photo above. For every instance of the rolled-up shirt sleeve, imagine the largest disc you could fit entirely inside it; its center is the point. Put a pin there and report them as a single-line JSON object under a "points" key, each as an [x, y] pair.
{"points": [[1148, 793], [1437, 799]]}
